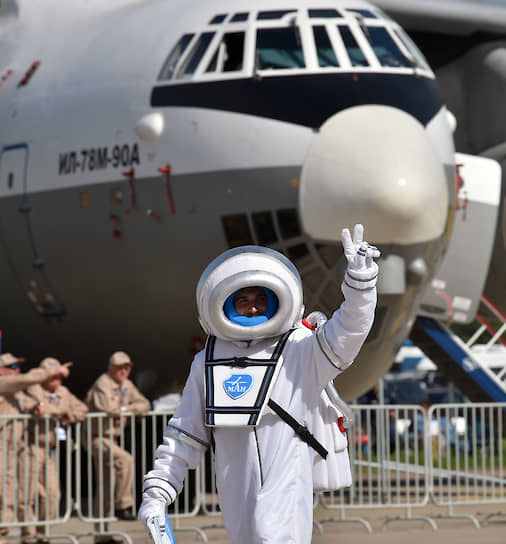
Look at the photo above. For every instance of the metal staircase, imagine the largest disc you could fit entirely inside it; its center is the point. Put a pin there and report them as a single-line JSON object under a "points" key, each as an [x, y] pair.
{"points": [[455, 358]]}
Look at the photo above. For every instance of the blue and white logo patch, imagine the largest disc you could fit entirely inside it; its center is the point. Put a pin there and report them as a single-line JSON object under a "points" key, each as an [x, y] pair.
{"points": [[238, 385]]}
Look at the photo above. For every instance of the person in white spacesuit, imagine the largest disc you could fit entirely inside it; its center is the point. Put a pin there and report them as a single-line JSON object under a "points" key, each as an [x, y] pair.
{"points": [[250, 304]]}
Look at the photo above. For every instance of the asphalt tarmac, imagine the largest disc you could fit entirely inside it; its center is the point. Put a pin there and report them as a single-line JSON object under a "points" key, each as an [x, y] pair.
{"points": [[383, 523]]}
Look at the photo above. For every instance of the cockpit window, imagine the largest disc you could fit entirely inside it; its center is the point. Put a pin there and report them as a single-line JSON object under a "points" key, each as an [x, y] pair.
{"points": [[229, 54], [278, 48], [323, 13], [385, 48], [364, 13], [410, 45], [217, 19], [239, 17], [324, 51], [265, 15], [357, 57], [195, 56], [168, 68], [240, 43]]}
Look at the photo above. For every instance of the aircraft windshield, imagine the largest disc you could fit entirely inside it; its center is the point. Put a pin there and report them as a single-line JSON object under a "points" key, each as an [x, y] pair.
{"points": [[324, 51], [169, 67], [356, 54], [239, 17], [324, 13], [217, 19], [367, 14], [229, 54], [385, 48], [410, 45], [196, 54], [277, 14], [243, 44], [278, 48]]}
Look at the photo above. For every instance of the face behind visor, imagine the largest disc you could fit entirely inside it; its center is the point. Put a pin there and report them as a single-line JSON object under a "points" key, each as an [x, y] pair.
{"points": [[236, 316], [249, 266]]}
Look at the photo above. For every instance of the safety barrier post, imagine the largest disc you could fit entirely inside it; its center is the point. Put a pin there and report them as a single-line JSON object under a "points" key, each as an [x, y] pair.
{"points": [[386, 446], [102, 437], [468, 467], [32, 454]]}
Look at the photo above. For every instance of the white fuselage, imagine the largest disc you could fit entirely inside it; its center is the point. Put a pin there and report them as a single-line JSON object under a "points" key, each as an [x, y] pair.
{"points": [[100, 250]]}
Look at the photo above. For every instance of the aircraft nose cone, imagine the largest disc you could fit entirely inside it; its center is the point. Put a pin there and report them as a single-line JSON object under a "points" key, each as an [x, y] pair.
{"points": [[373, 165]]}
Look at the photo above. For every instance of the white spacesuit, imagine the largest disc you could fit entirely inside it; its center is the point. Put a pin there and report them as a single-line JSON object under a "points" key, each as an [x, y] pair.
{"points": [[264, 470]]}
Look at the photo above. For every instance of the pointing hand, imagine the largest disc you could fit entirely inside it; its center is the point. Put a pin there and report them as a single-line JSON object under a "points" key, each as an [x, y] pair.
{"points": [[64, 369]]}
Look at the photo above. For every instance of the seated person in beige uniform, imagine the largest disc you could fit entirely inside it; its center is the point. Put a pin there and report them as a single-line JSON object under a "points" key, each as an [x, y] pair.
{"points": [[114, 394], [56, 401], [13, 402]]}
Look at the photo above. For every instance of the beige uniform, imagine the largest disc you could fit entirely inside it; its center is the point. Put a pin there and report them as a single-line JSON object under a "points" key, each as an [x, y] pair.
{"points": [[12, 453], [43, 485], [108, 396]]}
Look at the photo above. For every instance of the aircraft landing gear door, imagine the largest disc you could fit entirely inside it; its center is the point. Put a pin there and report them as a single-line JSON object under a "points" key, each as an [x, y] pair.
{"points": [[17, 236]]}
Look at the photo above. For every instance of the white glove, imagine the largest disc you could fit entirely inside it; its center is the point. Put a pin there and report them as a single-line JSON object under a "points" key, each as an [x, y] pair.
{"points": [[362, 271], [152, 508]]}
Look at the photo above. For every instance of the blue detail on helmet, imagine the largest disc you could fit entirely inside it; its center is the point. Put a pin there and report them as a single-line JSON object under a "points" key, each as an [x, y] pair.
{"points": [[238, 319]]}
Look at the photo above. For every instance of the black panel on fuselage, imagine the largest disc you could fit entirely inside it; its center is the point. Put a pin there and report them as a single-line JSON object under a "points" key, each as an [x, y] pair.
{"points": [[286, 98]]}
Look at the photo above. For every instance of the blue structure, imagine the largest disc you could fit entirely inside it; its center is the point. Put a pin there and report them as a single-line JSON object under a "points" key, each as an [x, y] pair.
{"points": [[457, 361]]}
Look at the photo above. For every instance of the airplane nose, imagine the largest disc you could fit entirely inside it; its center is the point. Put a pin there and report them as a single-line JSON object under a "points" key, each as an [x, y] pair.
{"points": [[373, 165]]}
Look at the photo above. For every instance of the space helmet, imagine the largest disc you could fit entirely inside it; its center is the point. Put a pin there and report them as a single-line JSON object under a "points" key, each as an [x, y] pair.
{"points": [[249, 266]]}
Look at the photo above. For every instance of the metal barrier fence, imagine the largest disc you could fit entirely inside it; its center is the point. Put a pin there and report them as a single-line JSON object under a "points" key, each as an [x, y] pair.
{"points": [[115, 453], [35, 474], [387, 452], [468, 454], [402, 457]]}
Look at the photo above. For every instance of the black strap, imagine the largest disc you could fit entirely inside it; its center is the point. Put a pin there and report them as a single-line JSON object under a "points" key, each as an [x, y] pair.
{"points": [[246, 361], [300, 430]]}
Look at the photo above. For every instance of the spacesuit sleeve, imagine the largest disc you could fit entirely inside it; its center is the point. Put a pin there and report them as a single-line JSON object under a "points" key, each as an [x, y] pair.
{"points": [[342, 336], [185, 440]]}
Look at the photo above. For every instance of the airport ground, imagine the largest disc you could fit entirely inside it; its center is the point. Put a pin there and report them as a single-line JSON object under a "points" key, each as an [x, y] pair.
{"points": [[457, 530]]}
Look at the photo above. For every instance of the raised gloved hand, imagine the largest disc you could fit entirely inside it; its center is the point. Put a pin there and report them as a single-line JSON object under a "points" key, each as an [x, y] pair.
{"points": [[362, 271], [152, 508]]}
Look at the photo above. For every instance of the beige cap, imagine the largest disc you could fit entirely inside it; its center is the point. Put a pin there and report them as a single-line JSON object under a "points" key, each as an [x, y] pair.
{"points": [[50, 363], [7, 359], [120, 358]]}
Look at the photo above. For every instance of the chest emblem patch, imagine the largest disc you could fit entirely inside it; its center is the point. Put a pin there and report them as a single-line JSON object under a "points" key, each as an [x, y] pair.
{"points": [[238, 385]]}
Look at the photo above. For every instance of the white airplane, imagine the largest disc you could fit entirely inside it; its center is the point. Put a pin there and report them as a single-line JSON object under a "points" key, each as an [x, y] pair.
{"points": [[140, 139]]}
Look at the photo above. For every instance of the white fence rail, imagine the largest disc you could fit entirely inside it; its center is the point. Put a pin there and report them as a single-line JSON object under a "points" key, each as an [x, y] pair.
{"points": [[468, 465], [403, 457], [35, 474]]}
